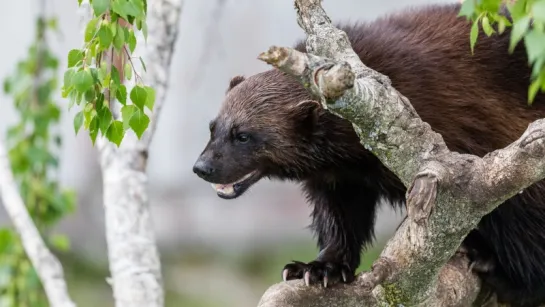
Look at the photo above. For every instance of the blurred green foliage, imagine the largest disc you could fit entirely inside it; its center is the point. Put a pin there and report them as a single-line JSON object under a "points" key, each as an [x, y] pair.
{"points": [[194, 277], [33, 162], [528, 26]]}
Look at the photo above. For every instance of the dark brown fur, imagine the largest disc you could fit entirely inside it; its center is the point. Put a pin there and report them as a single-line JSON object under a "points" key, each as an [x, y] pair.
{"points": [[477, 103]]}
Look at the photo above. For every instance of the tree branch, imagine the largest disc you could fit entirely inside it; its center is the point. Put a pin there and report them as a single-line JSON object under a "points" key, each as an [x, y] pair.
{"points": [[132, 252], [47, 266], [448, 192]]}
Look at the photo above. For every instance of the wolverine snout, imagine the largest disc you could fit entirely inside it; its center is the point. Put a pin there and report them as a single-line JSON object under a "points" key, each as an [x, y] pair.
{"points": [[203, 169]]}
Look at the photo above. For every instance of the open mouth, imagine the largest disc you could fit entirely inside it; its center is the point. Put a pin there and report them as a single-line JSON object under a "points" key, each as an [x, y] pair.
{"points": [[235, 189]]}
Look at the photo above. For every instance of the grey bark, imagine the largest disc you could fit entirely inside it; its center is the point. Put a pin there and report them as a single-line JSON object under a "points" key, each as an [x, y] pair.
{"points": [[448, 192]]}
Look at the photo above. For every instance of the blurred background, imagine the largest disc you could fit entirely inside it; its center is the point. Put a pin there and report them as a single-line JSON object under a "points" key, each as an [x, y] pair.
{"points": [[214, 252]]}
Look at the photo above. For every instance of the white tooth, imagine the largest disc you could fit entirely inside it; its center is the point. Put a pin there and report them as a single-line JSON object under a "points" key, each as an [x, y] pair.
{"points": [[228, 190]]}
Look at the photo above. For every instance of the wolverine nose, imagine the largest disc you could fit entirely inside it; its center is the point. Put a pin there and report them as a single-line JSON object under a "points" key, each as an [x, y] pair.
{"points": [[202, 169]]}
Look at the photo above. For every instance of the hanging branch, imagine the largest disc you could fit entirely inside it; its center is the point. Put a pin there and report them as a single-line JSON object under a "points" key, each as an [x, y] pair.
{"points": [[133, 256]]}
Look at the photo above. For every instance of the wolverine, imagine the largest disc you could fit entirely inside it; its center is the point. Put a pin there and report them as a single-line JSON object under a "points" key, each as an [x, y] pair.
{"points": [[270, 126]]}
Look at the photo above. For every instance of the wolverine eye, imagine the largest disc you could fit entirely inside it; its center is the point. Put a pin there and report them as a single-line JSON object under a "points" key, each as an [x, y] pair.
{"points": [[242, 138]]}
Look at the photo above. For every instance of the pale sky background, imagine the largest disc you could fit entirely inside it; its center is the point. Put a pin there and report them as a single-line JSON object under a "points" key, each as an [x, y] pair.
{"points": [[213, 45]]}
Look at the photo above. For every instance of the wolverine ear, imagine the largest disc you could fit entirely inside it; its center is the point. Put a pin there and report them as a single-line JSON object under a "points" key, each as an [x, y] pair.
{"points": [[307, 113], [236, 80]]}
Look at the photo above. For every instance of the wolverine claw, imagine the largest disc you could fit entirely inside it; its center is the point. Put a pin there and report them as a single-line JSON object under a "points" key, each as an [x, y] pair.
{"points": [[318, 272], [480, 262]]}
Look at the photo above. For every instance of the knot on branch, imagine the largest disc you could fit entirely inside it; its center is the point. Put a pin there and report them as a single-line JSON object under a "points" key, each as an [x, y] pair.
{"points": [[275, 56], [533, 142], [334, 80], [326, 78], [381, 270], [421, 197]]}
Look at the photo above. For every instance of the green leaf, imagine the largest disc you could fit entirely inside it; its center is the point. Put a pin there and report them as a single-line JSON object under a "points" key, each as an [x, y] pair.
{"points": [[501, 25], [538, 64], [115, 132], [121, 94], [474, 34], [7, 85], [74, 56], [150, 97], [89, 114], [139, 96], [126, 8], [115, 76], [538, 10], [113, 28], [145, 30], [90, 29], [93, 130], [105, 36], [131, 40], [94, 74], [143, 65], [127, 112], [69, 77], [89, 59], [100, 6], [535, 44], [105, 119], [467, 9], [128, 70], [83, 80], [53, 23], [139, 122], [6, 239], [103, 71], [487, 28], [90, 94], [491, 6], [78, 121], [519, 29], [532, 90], [119, 39], [59, 241], [518, 9], [99, 103]]}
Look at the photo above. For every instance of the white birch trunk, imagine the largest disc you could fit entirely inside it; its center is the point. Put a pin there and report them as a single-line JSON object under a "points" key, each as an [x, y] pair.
{"points": [[47, 266], [133, 256]]}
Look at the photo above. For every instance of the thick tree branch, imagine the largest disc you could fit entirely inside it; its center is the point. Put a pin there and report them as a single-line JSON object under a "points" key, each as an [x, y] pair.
{"points": [[457, 288], [132, 252], [47, 266], [448, 192]]}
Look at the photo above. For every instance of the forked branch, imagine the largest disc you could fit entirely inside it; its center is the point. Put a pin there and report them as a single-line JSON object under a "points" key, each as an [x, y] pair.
{"points": [[448, 193]]}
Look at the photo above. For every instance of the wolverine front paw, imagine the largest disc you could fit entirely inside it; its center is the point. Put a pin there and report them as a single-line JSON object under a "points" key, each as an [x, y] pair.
{"points": [[479, 262], [328, 273]]}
